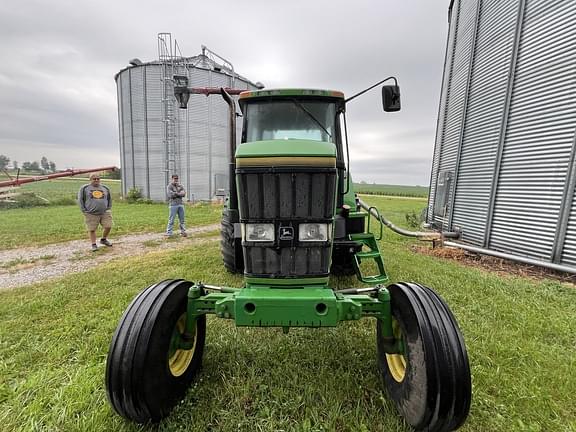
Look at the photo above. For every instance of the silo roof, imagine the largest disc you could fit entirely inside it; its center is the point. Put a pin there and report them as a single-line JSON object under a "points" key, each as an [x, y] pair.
{"points": [[198, 62]]}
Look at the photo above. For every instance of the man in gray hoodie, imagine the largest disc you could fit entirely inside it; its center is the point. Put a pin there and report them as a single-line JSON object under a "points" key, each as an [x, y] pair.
{"points": [[95, 201], [175, 192]]}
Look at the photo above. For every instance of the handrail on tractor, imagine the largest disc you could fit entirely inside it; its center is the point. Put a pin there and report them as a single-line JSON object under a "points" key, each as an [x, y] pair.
{"points": [[376, 214]]}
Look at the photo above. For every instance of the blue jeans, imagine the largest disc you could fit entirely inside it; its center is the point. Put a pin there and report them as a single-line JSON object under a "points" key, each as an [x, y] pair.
{"points": [[176, 209]]}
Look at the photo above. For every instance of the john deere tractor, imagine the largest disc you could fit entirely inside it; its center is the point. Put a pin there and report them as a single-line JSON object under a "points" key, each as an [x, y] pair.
{"points": [[290, 221]]}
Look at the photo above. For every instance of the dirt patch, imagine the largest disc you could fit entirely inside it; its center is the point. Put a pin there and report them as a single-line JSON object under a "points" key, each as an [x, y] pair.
{"points": [[500, 266], [25, 266]]}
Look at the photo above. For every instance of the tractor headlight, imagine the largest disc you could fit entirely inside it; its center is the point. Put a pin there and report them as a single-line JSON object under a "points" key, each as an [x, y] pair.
{"points": [[259, 232], [313, 232]]}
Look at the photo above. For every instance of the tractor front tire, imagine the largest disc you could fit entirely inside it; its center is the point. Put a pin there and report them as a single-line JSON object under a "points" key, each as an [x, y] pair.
{"points": [[230, 246], [146, 375], [429, 381]]}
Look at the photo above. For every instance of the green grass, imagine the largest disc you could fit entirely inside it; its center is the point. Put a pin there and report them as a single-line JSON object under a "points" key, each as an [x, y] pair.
{"points": [[43, 225], [36, 226], [394, 190], [54, 338], [152, 243]]}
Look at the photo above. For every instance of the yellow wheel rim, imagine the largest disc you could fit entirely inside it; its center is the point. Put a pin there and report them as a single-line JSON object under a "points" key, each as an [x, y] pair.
{"points": [[396, 362], [180, 359]]}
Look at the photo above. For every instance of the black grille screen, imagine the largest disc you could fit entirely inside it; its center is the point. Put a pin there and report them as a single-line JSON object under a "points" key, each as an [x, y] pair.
{"points": [[288, 195], [286, 261], [286, 198]]}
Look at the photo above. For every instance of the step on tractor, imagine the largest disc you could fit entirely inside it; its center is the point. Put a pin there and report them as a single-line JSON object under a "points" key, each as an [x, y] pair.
{"points": [[290, 221]]}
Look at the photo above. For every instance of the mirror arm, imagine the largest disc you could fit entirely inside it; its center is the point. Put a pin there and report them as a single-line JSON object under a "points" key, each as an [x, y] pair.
{"points": [[347, 157], [370, 88]]}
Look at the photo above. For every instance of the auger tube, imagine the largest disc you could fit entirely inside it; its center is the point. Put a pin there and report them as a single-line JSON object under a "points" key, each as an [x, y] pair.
{"points": [[420, 235]]}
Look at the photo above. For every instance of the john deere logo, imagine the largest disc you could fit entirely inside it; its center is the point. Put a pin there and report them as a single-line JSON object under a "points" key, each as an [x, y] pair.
{"points": [[286, 233], [97, 194]]}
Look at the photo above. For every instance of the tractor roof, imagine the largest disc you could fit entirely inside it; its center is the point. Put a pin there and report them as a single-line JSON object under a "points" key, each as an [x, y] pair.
{"points": [[291, 92]]}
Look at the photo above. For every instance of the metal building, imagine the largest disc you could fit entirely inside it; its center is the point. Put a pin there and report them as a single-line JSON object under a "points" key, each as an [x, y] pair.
{"points": [[504, 169], [158, 139]]}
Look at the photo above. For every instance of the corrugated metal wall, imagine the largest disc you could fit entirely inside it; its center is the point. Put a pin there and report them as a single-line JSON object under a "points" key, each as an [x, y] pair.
{"points": [[480, 131], [200, 154], [454, 99], [569, 245], [446, 76], [504, 162]]}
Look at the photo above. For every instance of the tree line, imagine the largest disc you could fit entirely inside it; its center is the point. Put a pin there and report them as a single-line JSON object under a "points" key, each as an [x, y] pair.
{"points": [[44, 166]]}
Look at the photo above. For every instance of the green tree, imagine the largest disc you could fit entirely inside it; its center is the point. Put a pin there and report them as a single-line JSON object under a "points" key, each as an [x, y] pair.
{"points": [[34, 166], [26, 166], [115, 175], [4, 161], [44, 163], [52, 166]]}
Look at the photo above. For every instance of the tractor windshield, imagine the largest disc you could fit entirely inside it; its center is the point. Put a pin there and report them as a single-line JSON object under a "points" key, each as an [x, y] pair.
{"points": [[289, 119]]}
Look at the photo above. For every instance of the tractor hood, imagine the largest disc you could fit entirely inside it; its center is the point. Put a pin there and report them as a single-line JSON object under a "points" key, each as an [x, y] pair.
{"points": [[287, 187], [286, 152]]}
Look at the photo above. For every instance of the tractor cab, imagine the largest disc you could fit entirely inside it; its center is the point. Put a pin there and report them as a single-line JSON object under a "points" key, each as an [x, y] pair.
{"points": [[291, 115], [292, 178]]}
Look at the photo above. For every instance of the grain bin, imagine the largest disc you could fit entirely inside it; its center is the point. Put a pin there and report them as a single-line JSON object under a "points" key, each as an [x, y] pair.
{"points": [[504, 169], [157, 139]]}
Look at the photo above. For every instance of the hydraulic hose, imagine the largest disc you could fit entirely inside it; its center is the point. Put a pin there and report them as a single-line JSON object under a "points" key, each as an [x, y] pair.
{"points": [[420, 235]]}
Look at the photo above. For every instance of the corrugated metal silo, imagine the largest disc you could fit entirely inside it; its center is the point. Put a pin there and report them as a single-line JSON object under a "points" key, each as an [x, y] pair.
{"points": [[504, 169], [158, 139]]}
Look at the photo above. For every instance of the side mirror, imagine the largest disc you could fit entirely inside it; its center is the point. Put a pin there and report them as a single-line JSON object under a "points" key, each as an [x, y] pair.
{"points": [[391, 98]]}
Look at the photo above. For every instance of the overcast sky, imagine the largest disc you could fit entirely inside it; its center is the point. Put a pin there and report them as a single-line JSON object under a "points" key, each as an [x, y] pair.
{"points": [[59, 57]]}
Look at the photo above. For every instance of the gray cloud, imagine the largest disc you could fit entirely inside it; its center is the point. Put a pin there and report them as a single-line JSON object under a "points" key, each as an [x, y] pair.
{"points": [[58, 96]]}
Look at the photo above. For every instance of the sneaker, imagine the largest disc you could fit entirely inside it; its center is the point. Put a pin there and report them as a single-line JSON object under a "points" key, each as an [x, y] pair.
{"points": [[94, 247], [105, 242], [168, 235], [183, 234]]}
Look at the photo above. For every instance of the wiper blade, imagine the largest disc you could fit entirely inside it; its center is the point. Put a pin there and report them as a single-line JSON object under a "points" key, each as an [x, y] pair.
{"points": [[303, 108]]}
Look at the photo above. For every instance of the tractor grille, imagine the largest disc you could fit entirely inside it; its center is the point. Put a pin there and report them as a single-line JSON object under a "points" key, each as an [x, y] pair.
{"points": [[286, 197]]}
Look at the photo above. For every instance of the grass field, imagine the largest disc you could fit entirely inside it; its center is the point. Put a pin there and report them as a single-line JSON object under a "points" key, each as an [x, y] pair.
{"points": [[48, 193], [54, 338], [65, 188], [392, 190], [43, 225], [52, 224]]}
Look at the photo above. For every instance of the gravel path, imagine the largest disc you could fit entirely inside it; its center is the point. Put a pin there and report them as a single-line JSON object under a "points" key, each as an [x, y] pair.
{"points": [[24, 266]]}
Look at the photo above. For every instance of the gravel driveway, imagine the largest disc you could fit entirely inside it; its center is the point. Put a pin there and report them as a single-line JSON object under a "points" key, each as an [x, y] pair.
{"points": [[24, 266]]}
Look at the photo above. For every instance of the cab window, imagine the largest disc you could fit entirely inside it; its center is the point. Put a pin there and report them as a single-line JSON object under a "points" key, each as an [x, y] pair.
{"points": [[289, 119]]}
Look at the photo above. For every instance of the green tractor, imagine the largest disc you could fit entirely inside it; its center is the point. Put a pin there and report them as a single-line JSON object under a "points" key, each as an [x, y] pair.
{"points": [[291, 220]]}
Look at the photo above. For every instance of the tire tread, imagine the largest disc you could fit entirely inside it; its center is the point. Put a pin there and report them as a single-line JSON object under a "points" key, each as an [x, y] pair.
{"points": [[449, 390], [127, 356]]}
